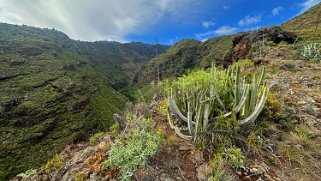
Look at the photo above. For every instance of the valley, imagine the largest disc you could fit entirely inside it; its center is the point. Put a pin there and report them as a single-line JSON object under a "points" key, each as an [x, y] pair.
{"points": [[103, 110]]}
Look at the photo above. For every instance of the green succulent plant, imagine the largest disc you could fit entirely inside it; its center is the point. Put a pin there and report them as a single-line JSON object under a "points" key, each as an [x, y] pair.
{"points": [[202, 97], [311, 52]]}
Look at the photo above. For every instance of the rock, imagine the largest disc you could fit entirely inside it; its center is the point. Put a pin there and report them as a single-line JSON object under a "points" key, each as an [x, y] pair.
{"points": [[204, 171], [102, 146], [198, 155], [186, 147], [165, 177]]}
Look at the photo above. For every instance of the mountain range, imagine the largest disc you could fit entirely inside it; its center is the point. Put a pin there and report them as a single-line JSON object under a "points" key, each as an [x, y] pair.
{"points": [[55, 90]]}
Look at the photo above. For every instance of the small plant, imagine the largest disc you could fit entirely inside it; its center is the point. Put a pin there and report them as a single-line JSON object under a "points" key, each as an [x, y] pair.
{"points": [[132, 151], [255, 142], [162, 108], [303, 137], [283, 44], [291, 153], [27, 173], [311, 52], [114, 129], [79, 177], [235, 157], [55, 163], [217, 163], [304, 133], [244, 63], [94, 138]]}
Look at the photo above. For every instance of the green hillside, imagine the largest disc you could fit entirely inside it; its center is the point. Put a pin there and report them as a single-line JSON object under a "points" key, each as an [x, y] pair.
{"points": [[307, 25], [54, 90], [185, 56]]}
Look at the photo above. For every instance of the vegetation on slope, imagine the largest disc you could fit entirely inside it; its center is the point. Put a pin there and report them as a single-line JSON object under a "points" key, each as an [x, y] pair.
{"points": [[183, 57], [55, 90], [306, 25]]}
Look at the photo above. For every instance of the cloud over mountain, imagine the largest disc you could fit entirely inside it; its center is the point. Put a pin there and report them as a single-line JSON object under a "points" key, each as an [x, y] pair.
{"points": [[90, 20]]}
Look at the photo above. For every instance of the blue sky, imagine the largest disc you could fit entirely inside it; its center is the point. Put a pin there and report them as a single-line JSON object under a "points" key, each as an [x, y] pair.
{"points": [[217, 18], [166, 21]]}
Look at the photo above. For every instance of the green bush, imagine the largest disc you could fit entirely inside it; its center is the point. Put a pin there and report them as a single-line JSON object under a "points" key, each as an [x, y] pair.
{"points": [[235, 157], [94, 138], [132, 149], [244, 63], [27, 173], [55, 163]]}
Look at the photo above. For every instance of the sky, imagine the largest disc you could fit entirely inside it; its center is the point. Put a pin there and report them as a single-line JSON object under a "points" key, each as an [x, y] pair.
{"points": [[150, 21]]}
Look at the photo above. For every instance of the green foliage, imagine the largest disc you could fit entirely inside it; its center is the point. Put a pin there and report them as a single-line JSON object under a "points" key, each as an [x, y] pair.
{"points": [[244, 63], [292, 153], [283, 44], [306, 25], [202, 98], [304, 134], [184, 57], [254, 51], [96, 136], [311, 52], [132, 151], [27, 173], [79, 177], [55, 90], [235, 157], [254, 141], [217, 163], [55, 163]]}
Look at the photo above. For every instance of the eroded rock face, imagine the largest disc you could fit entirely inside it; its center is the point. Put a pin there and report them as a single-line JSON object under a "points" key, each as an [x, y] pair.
{"points": [[241, 49], [243, 42]]}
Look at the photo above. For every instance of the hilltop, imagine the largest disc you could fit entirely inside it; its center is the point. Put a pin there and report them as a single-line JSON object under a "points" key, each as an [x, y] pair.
{"points": [[306, 25]]}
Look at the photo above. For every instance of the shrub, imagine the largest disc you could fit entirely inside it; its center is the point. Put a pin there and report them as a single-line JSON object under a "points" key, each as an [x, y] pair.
{"points": [[94, 138], [244, 63], [217, 163], [55, 163], [133, 148], [235, 157], [27, 173]]}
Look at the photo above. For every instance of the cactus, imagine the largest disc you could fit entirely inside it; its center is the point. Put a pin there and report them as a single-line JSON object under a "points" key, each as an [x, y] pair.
{"points": [[311, 52], [201, 98]]}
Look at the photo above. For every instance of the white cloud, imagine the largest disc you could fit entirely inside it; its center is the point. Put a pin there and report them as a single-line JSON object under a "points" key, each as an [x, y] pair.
{"points": [[308, 4], [249, 20], [276, 11], [223, 30], [225, 7], [203, 40], [207, 24], [94, 19]]}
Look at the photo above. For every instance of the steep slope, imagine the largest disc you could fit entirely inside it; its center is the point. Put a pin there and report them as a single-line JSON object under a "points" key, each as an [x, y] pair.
{"points": [[54, 90], [306, 25], [116, 62], [188, 55], [183, 57]]}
